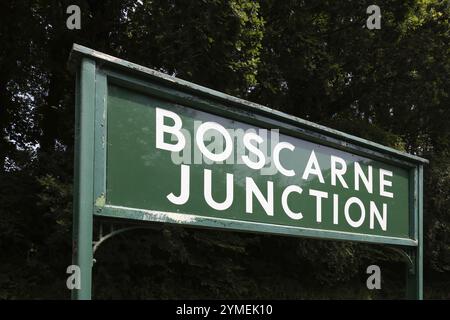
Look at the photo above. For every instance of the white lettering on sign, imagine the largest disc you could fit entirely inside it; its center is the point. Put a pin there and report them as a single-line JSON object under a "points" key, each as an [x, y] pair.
{"points": [[337, 172]]}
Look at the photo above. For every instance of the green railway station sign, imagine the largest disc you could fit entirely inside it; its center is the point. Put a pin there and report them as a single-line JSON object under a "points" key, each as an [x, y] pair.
{"points": [[154, 148]]}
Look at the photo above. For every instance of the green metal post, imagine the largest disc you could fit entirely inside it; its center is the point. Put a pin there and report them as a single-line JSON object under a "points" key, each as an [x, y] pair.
{"points": [[420, 245], [84, 171], [414, 278]]}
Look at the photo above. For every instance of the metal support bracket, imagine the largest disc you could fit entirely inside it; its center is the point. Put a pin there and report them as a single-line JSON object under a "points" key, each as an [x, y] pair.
{"points": [[407, 258], [113, 231], [413, 271]]}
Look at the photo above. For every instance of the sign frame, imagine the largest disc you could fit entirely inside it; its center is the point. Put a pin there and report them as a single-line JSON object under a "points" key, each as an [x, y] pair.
{"points": [[95, 70]]}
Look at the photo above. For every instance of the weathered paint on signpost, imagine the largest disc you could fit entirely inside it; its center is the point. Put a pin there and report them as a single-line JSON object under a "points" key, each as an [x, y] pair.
{"points": [[155, 148]]}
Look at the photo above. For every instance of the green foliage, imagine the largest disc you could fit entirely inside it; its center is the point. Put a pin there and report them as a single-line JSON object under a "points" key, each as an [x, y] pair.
{"points": [[214, 43], [312, 59]]}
